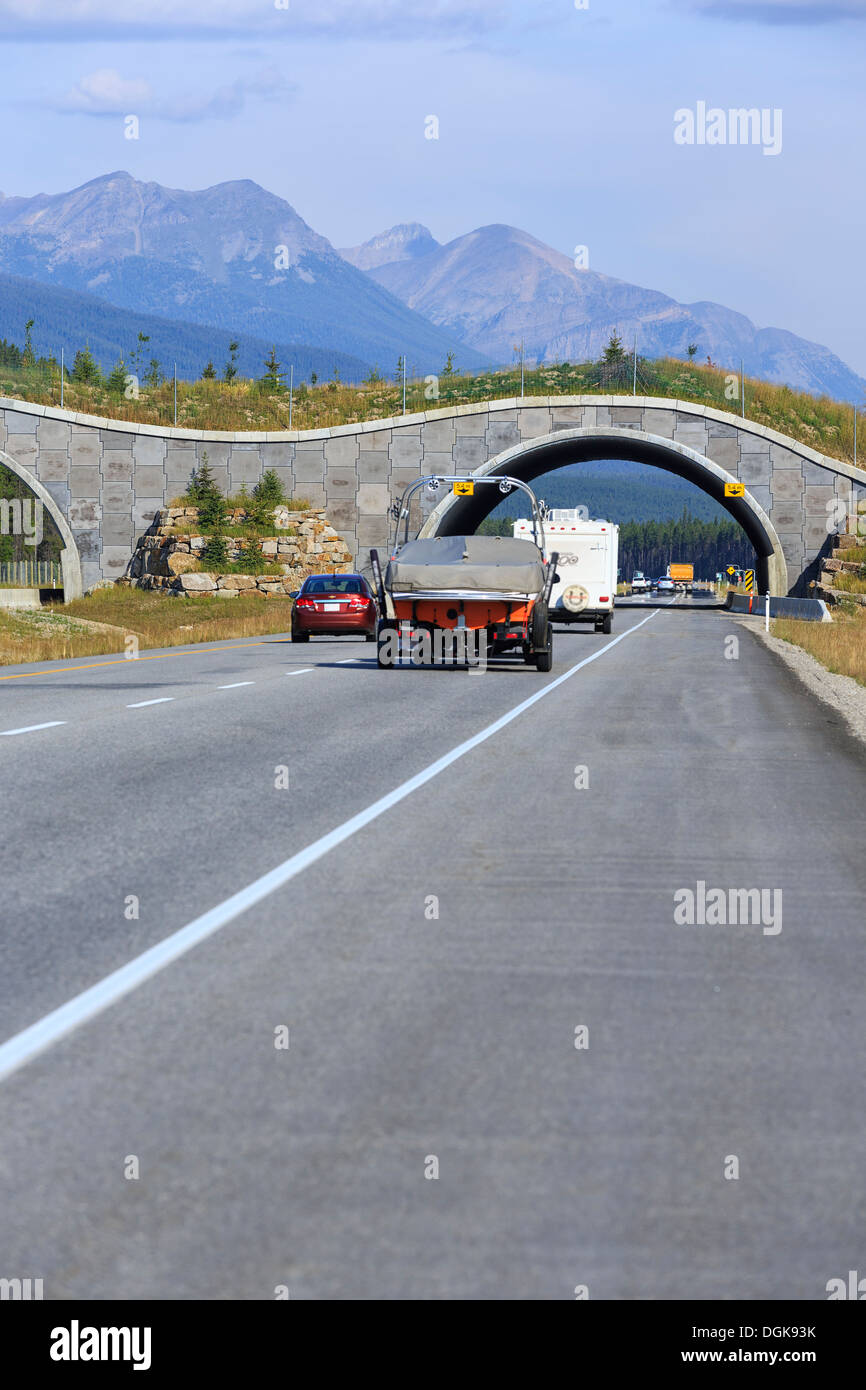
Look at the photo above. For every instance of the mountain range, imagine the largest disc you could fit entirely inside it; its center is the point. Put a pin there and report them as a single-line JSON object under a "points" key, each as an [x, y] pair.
{"points": [[196, 268], [497, 286], [233, 257]]}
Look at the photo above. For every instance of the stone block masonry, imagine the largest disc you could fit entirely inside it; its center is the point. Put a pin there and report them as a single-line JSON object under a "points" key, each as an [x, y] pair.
{"points": [[105, 482]]}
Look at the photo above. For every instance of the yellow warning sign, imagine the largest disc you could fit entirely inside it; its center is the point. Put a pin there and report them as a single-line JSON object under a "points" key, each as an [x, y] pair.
{"points": [[734, 490], [749, 581], [732, 569], [464, 487]]}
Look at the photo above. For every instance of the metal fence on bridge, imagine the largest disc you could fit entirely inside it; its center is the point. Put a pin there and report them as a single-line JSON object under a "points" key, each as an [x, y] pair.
{"points": [[31, 574]]}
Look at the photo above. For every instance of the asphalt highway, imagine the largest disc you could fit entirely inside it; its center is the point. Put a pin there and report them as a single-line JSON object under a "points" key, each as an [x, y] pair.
{"points": [[455, 896]]}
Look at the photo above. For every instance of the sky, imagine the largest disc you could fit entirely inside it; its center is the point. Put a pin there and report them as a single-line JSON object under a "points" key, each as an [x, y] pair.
{"points": [[555, 116]]}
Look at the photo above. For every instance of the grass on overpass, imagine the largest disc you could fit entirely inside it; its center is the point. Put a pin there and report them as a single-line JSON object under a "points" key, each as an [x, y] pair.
{"points": [[210, 404]]}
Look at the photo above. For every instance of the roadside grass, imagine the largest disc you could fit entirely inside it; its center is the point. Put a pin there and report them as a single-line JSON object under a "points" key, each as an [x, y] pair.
{"points": [[825, 424], [840, 645], [100, 623], [850, 583]]}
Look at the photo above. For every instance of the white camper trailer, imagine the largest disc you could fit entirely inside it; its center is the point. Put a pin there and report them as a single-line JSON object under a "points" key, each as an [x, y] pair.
{"points": [[585, 587]]}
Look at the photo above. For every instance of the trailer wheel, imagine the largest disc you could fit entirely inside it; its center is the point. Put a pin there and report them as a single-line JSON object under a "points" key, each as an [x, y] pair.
{"points": [[528, 654], [607, 623], [544, 659], [539, 630], [385, 645]]}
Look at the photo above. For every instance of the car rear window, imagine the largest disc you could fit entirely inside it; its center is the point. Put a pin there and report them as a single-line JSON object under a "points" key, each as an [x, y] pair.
{"points": [[334, 584]]}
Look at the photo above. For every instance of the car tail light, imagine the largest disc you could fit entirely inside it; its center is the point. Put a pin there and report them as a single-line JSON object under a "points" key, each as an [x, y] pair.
{"points": [[604, 598], [304, 603]]}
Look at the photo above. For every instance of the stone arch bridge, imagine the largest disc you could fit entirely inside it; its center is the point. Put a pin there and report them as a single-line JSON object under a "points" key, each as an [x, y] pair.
{"points": [[102, 481]]}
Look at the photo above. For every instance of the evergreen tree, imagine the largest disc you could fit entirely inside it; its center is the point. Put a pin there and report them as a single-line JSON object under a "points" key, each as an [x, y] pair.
{"points": [[230, 370], [28, 356], [153, 376], [215, 555], [272, 379], [84, 369], [268, 493], [204, 493], [209, 373], [135, 355], [117, 379], [614, 352]]}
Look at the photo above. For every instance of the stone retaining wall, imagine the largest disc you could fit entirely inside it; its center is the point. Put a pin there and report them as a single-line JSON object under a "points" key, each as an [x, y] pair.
{"points": [[168, 555]]}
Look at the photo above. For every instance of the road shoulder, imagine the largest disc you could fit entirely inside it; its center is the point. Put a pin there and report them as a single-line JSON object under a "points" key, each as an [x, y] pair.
{"points": [[843, 694]]}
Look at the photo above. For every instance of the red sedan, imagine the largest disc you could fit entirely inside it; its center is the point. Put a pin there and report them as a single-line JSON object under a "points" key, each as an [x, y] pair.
{"points": [[334, 605]]}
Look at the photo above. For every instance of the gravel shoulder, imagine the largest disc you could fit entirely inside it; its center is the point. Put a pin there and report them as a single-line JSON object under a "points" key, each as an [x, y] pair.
{"points": [[843, 694]]}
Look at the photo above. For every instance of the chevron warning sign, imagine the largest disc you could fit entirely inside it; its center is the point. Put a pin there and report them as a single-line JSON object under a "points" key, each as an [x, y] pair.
{"points": [[749, 581]]}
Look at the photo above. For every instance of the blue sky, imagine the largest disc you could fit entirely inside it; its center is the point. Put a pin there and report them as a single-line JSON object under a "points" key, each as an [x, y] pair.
{"points": [[555, 119]]}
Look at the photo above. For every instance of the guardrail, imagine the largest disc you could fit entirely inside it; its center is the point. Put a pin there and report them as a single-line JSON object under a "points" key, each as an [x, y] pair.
{"points": [[31, 574]]}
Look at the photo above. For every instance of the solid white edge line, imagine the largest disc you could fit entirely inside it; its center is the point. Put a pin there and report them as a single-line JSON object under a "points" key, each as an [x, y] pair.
{"points": [[20, 1049], [162, 700], [31, 728]]}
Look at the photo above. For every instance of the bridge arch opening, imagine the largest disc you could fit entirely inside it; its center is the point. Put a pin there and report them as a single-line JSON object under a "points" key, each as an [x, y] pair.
{"points": [[58, 529], [533, 457]]}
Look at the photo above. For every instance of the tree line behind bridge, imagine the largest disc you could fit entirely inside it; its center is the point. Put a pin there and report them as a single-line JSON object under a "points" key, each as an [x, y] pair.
{"points": [[651, 546]]}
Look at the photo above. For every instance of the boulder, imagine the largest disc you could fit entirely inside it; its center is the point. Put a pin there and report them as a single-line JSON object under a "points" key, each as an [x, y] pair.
{"points": [[237, 581], [195, 583], [180, 563]]}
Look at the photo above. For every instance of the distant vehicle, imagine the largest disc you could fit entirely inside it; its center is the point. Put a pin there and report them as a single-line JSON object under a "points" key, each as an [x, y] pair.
{"points": [[639, 582], [584, 588], [666, 585], [334, 605], [683, 576]]}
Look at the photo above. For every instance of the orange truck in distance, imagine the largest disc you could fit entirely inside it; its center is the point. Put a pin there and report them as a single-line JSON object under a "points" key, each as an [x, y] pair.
{"points": [[683, 576]]}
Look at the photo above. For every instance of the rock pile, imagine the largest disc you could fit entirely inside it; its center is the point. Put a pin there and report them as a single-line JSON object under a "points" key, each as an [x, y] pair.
{"points": [[168, 555], [835, 564]]}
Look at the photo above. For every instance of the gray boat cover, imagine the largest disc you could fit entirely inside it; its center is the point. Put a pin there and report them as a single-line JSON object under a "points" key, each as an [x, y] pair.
{"points": [[485, 564]]}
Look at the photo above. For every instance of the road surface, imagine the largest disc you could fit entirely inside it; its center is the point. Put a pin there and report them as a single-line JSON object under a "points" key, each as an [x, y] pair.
{"points": [[435, 964]]}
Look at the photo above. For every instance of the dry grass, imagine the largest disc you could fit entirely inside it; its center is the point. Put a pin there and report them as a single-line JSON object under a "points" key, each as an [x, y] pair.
{"points": [[840, 645], [52, 633], [825, 424], [849, 583]]}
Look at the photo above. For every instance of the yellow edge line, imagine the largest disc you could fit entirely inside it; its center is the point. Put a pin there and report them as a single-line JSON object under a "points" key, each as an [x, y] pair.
{"points": [[124, 660]]}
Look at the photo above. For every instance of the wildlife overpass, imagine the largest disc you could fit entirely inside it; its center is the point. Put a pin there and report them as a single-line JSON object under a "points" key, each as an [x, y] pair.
{"points": [[102, 481]]}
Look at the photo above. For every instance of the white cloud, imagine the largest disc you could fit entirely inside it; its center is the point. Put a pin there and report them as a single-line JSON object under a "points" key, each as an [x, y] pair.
{"points": [[106, 93], [52, 20]]}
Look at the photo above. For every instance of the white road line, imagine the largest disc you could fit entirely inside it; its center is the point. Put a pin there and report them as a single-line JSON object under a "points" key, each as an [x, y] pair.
{"points": [[140, 704], [305, 671], [17, 1051], [235, 685], [346, 659], [31, 728]]}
